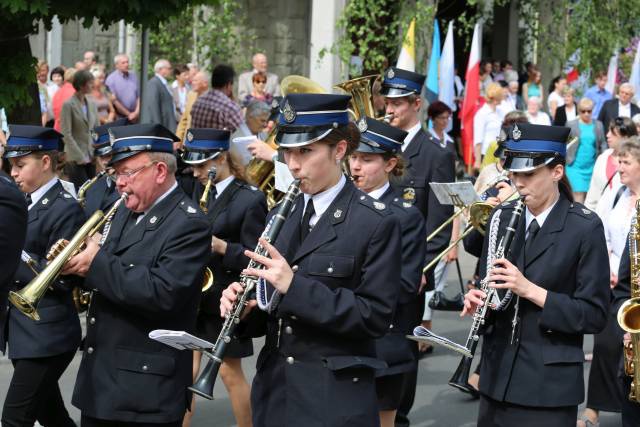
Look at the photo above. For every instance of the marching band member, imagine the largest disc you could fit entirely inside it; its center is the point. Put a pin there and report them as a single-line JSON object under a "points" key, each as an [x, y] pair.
{"points": [[375, 159], [13, 227], [147, 275], [532, 357], [426, 160], [237, 213], [102, 193], [40, 350], [331, 280]]}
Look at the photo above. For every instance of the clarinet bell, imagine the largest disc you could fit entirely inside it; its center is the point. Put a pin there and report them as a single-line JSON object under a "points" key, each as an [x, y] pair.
{"points": [[460, 378], [207, 380]]}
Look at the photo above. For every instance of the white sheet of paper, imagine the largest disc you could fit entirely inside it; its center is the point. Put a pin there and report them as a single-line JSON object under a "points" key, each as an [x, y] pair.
{"points": [[180, 340], [240, 144], [463, 190], [283, 177]]}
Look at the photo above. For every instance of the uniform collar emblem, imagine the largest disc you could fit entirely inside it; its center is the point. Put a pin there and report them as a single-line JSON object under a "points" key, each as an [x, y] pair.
{"points": [[153, 219], [190, 209], [337, 213], [517, 133], [586, 211], [378, 205], [409, 194], [288, 112], [390, 73], [362, 125], [45, 201]]}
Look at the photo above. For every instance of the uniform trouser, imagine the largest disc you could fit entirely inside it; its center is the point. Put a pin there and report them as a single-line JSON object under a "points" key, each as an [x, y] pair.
{"points": [[95, 422], [411, 378], [502, 414], [34, 393]]}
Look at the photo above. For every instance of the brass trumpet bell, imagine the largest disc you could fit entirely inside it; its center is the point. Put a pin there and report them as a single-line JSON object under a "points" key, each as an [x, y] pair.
{"points": [[208, 279]]}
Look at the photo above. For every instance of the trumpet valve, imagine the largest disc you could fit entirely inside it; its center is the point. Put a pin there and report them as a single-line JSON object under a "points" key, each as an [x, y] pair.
{"points": [[56, 249]]}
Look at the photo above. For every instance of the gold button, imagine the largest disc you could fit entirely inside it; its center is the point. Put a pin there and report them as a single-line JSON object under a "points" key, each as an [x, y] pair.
{"points": [[290, 360]]}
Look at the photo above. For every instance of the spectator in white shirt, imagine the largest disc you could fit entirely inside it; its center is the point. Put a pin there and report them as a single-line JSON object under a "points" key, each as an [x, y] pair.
{"points": [[555, 98], [534, 114], [487, 122]]}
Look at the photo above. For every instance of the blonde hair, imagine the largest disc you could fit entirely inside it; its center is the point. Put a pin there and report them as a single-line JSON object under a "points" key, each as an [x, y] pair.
{"points": [[568, 91], [585, 103], [494, 91]]}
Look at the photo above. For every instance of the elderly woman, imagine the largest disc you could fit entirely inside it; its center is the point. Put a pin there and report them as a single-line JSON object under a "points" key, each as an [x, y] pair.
{"points": [[102, 97], [487, 122], [581, 155], [79, 115], [605, 178], [534, 114], [604, 390], [568, 111]]}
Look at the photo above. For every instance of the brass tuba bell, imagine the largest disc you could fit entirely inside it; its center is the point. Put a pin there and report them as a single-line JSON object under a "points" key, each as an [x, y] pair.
{"points": [[361, 99]]}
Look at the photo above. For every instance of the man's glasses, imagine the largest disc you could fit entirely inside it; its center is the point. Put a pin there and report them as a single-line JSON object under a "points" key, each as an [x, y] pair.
{"points": [[128, 175]]}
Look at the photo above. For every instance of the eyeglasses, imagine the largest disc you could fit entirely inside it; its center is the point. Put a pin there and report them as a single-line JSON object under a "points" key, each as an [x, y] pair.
{"points": [[585, 111], [128, 175]]}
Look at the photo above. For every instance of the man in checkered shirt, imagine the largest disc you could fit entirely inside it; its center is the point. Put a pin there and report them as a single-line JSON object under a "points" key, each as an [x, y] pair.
{"points": [[216, 109]]}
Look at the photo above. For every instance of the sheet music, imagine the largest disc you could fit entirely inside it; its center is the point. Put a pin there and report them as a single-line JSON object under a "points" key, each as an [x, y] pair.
{"points": [[283, 176], [420, 333], [180, 340], [240, 145], [455, 193]]}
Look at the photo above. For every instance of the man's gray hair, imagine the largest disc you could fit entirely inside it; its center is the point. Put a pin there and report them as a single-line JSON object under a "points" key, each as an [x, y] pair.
{"points": [[167, 158], [256, 108], [161, 63], [628, 86], [119, 56]]}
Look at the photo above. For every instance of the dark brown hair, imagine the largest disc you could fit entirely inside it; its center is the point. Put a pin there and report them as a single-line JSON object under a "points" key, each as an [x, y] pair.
{"points": [[259, 76], [399, 169], [348, 133]]}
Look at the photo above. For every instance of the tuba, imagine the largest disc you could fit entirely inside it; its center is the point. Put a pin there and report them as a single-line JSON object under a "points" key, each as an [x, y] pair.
{"points": [[26, 300], [262, 173], [629, 312]]}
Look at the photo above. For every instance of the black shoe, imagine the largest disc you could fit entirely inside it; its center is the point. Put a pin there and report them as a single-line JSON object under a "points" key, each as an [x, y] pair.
{"points": [[467, 388]]}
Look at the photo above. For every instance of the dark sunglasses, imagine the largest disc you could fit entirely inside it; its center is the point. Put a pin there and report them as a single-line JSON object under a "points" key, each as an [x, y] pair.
{"points": [[586, 111]]}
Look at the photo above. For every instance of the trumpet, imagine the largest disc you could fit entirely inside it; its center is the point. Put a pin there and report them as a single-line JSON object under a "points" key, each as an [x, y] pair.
{"points": [[204, 200], [206, 381], [26, 300], [82, 192]]}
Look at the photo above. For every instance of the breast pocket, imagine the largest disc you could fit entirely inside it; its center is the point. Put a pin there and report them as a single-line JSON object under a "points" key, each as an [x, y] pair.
{"points": [[144, 380], [331, 265]]}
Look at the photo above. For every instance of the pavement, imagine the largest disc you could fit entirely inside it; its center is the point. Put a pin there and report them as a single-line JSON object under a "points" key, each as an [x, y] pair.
{"points": [[437, 403]]}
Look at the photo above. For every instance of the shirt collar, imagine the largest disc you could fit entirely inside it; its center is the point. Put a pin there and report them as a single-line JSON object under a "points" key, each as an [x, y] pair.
{"points": [[159, 199], [321, 201], [377, 193], [411, 133], [162, 79], [222, 185], [37, 195], [447, 138], [541, 218]]}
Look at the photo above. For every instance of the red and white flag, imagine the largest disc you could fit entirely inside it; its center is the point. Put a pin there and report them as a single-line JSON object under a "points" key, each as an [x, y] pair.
{"points": [[471, 101], [571, 67]]}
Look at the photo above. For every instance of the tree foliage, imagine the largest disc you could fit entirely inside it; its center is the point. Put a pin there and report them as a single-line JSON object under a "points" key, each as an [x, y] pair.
{"points": [[19, 18]]}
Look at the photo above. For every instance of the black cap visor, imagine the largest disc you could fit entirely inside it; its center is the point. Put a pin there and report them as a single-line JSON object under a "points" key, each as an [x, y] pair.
{"points": [[15, 153], [195, 157], [394, 92], [526, 162], [298, 136], [105, 150]]}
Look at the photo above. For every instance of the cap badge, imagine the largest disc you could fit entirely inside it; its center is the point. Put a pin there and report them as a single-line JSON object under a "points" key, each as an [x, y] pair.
{"points": [[362, 125], [94, 135], [517, 133], [378, 205], [189, 136], [337, 213], [112, 137], [390, 73], [288, 113], [409, 194]]}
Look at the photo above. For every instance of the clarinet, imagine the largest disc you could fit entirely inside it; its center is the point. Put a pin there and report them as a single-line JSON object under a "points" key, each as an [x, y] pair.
{"points": [[206, 381]]}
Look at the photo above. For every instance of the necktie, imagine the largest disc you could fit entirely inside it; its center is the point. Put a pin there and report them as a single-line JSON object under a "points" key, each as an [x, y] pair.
{"points": [[305, 227], [532, 231], [27, 197]]}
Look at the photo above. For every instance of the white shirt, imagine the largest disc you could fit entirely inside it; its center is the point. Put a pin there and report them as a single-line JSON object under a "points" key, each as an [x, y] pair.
{"points": [[486, 127], [508, 104], [541, 118], [553, 96], [624, 110], [571, 113], [37, 195], [616, 228], [541, 218], [376, 194], [164, 82], [321, 201], [222, 185], [411, 133], [158, 200], [447, 138]]}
